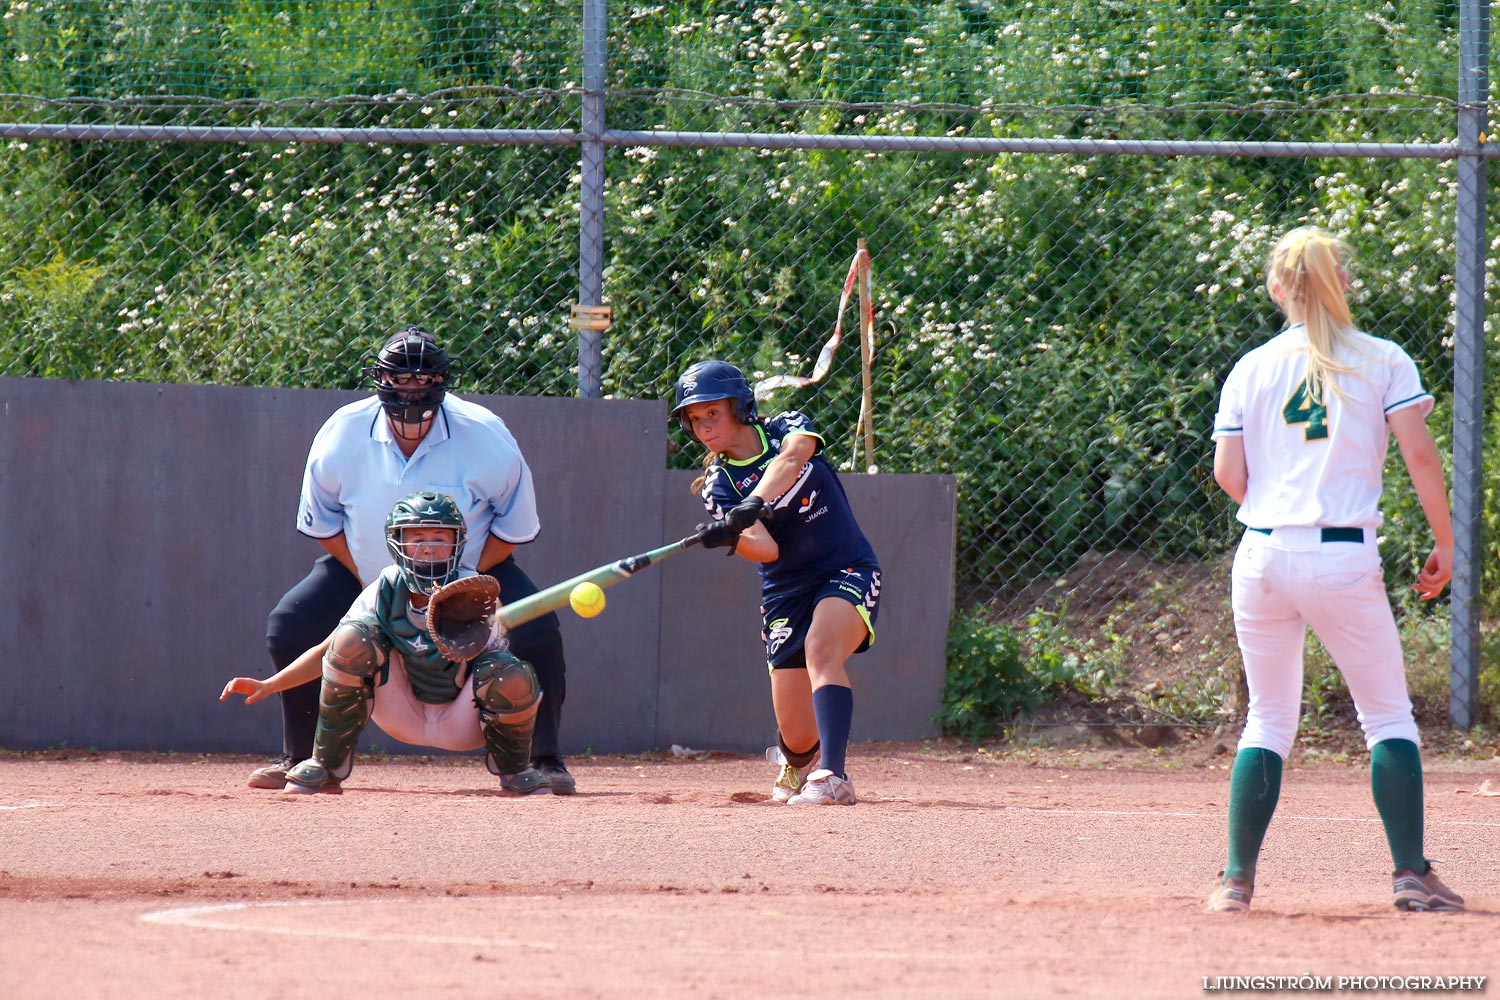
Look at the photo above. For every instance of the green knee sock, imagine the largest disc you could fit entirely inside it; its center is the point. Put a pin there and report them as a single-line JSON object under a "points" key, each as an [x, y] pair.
{"points": [[1254, 787], [1396, 783]]}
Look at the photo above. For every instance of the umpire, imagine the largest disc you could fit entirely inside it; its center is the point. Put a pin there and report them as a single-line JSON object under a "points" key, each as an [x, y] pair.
{"points": [[411, 435]]}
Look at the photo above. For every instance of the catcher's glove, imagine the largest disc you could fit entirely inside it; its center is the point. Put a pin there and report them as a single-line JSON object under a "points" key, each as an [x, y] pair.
{"points": [[461, 616]]}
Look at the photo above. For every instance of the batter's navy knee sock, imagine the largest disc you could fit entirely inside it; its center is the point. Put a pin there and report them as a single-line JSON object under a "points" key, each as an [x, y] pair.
{"points": [[1254, 787], [1396, 783], [833, 707]]}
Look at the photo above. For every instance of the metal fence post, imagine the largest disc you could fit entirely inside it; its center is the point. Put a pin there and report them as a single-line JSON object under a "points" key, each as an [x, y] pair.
{"points": [[1468, 360], [591, 199]]}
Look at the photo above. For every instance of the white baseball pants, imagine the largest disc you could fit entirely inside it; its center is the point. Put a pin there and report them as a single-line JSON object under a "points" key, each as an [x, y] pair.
{"points": [[454, 726], [1290, 579]]}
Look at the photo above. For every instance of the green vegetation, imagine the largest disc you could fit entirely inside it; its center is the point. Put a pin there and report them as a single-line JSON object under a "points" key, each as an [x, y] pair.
{"points": [[987, 681], [1052, 330]]}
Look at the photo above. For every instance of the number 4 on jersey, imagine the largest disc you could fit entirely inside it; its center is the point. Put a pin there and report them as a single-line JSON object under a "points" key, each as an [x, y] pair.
{"points": [[1301, 410]]}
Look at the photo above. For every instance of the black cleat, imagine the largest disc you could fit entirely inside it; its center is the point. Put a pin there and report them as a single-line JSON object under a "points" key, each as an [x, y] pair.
{"points": [[525, 782], [557, 773]]}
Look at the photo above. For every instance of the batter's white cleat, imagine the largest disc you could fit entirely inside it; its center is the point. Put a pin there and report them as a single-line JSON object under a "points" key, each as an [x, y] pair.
{"points": [[824, 788], [789, 781], [1232, 896], [1424, 892]]}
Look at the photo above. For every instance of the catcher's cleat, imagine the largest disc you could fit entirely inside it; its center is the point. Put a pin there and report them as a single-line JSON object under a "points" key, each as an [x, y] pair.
{"points": [[273, 775], [312, 778], [557, 775], [1231, 896], [525, 782], [1419, 893], [789, 781], [824, 788]]}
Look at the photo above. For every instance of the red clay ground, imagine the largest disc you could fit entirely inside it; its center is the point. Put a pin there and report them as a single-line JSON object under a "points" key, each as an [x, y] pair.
{"points": [[958, 875]]}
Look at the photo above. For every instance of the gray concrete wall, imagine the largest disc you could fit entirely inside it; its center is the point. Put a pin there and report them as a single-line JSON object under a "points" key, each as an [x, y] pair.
{"points": [[152, 530], [714, 689]]}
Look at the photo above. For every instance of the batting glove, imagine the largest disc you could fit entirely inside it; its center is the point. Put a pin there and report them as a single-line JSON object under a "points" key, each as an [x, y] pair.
{"points": [[719, 535], [753, 509]]}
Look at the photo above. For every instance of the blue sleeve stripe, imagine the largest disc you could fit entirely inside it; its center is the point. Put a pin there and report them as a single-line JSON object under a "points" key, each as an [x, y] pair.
{"points": [[1408, 400]]}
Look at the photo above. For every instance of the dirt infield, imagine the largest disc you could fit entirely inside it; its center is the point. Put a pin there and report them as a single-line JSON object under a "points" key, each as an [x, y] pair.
{"points": [[958, 875]]}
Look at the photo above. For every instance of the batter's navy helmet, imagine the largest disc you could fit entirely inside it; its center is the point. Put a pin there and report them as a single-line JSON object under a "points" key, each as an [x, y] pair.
{"points": [[706, 381]]}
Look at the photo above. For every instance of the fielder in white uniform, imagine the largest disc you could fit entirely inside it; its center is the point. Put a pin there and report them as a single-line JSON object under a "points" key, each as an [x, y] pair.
{"points": [[1301, 436]]}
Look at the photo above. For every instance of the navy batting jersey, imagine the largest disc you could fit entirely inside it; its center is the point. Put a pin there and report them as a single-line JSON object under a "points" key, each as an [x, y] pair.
{"points": [[811, 522]]}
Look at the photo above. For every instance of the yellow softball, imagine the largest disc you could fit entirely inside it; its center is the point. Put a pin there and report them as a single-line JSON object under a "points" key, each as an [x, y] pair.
{"points": [[587, 599]]}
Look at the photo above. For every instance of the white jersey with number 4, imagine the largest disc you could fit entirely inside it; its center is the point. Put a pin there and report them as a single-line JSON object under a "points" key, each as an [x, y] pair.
{"points": [[1315, 464]]}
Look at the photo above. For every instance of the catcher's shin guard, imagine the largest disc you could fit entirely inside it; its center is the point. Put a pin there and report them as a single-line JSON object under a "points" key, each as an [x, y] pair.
{"points": [[343, 710], [507, 693], [355, 655]]}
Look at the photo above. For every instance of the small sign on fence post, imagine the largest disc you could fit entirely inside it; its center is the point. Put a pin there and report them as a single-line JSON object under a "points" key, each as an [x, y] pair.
{"points": [[590, 317]]}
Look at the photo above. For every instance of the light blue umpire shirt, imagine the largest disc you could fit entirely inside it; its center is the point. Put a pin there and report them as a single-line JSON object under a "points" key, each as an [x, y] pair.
{"points": [[356, 472]]}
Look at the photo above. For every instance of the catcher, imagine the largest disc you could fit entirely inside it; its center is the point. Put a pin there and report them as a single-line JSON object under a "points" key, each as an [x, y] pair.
{"points": [[421, 653]]}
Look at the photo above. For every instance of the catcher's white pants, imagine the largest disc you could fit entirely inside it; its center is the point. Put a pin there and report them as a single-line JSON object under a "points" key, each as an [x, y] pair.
{"points": [[454, 726], [1288, 580]]}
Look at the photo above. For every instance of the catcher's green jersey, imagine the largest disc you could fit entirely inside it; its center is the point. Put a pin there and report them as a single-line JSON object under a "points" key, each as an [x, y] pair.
{"points": [[434, 680]]}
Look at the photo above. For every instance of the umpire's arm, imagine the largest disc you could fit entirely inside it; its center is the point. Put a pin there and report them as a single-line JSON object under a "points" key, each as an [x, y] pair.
{"points": [[494, 553]]}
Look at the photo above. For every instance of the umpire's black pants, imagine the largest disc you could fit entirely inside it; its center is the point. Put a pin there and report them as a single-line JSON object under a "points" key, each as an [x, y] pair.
{"points": [[312, 609]]}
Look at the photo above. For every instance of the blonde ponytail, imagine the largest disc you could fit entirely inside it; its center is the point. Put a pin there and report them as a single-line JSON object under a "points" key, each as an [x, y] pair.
{"points": [[1307, 267]]}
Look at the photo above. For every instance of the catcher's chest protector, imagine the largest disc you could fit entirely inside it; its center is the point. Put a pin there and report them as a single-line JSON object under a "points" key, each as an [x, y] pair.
{"points": [[434, 680]]}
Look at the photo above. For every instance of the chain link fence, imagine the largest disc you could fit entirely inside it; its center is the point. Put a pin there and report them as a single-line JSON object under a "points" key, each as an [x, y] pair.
{"points": [[1068, 207]]}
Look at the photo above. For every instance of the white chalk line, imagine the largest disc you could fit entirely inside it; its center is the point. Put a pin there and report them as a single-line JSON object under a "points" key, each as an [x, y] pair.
{"points": [[207, 917], [212, 917], [23, 805]]}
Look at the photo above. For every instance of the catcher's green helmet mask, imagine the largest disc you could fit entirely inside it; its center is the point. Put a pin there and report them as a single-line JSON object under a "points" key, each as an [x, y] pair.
{"points": [[425, 509]]}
